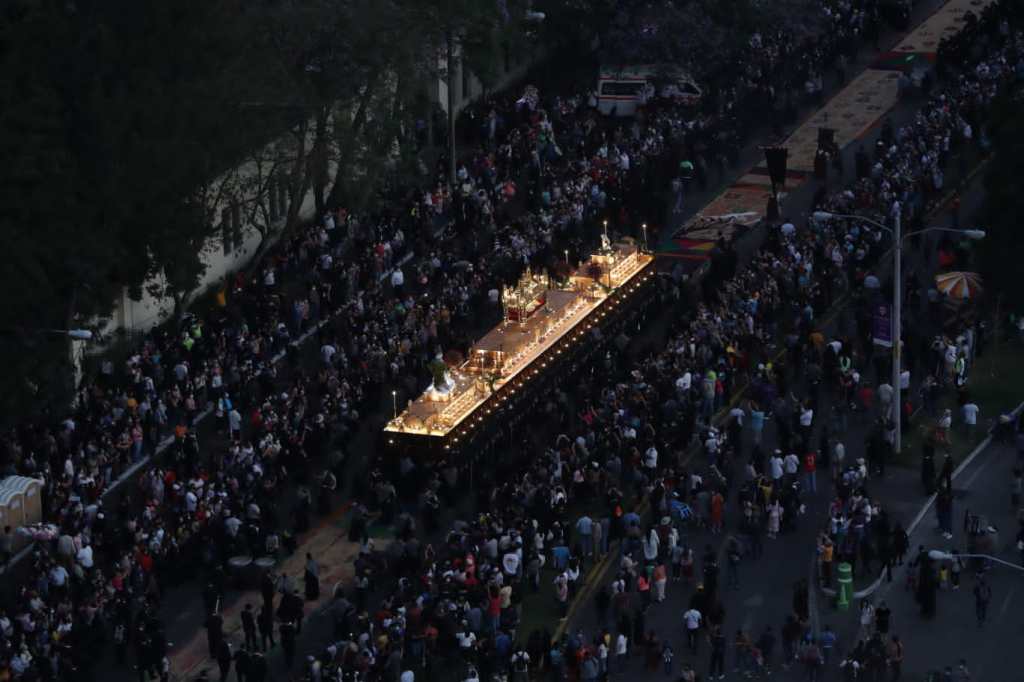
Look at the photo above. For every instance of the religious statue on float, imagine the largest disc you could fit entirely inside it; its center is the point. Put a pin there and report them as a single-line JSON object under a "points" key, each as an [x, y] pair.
{"points": [[440, 389]]}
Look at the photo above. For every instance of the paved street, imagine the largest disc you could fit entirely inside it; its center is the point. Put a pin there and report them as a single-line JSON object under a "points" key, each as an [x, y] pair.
{"points": [[983, 489], [765, 595], [766, 591]]}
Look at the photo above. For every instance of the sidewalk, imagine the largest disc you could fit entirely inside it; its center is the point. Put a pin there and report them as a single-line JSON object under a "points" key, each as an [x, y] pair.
{"points": [[982, 486], [329, 545]]}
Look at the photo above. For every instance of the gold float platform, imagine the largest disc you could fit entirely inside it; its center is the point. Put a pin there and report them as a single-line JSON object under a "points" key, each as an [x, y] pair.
{"points": [[515, 351]]}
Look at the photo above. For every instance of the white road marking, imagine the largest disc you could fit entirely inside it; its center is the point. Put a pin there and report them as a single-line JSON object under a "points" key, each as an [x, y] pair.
{"points": [[812, 596], [979, 673], [977, 472], [754, 602], [1006, 602]]}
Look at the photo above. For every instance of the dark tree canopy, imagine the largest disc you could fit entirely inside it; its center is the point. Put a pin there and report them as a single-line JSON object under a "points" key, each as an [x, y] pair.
{"points": [[118, 117], [1004, 242]]}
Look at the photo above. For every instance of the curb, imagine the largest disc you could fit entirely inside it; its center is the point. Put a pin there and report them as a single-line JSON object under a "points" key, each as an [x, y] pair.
{"points": [[981, 447]]}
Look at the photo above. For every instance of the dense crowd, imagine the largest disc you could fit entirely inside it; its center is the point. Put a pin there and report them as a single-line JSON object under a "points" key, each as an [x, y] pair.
{"points": [[381, 296]]}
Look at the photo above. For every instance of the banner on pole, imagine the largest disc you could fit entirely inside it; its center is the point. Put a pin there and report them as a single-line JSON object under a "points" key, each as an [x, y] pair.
{"points": [[881, 325]]}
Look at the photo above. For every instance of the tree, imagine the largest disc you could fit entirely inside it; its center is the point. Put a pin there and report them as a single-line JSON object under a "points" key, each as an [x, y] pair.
{"points": [[59, 247], [457, 32], [112, 115], [1004, 242]]}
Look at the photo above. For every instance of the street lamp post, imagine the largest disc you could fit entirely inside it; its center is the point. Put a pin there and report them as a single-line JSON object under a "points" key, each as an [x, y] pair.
{"points": [[76, 334], [897, 329], [897, 298], [940, 555]]}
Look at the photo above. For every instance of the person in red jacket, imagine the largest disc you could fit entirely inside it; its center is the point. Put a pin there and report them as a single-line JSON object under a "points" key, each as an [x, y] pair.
{"points": [[811, 472]]}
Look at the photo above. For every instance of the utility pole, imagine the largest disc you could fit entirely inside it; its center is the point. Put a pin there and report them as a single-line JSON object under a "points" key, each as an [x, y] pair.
{"points": [[450, 66], [897, 328]]}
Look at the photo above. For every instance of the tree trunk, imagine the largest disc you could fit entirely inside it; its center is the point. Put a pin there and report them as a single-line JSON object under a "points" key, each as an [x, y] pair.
{"points": [[179, 305], [299, 179], [450, 66], [347, 144], [319, 159]]}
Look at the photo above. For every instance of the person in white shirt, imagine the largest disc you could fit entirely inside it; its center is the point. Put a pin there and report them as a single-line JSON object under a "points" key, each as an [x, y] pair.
{"points": [[58, 576], [693, 619], [84, 557], [651, 545], [776, 466], [838, 457], [970, 411], [510, 564], [465, 637], [792, 464], [397, 280], [711, 446], [806, 419], [651, 459], [232, 524], [235, 423], [327, 352], [621, 651], [885, 394]]}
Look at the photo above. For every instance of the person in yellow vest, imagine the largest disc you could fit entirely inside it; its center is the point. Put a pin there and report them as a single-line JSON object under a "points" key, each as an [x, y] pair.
{"points": [[826, 554]]}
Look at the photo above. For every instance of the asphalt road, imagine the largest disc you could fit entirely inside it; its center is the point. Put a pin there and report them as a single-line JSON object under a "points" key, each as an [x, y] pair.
{"points": [[954, 632]]}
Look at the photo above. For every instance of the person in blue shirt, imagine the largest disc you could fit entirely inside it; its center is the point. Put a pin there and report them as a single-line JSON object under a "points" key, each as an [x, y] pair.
{"points": [[828, 641], [584, 528], [756, 421], [560, 554]]}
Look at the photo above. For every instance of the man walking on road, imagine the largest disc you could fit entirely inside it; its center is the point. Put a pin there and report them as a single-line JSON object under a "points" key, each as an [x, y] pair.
{"points": [[895, 656], [982, 596], [717, 640], [733, 559], [249, 626], [693, 620], [811, 472]]}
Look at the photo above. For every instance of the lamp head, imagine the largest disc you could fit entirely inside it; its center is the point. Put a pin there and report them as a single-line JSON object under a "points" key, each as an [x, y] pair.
{"points": [[974, 234], [939, 555], [822, 215], [80, 334]]}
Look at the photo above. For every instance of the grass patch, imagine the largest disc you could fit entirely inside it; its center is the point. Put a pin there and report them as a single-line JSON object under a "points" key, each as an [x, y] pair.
{"points": [[994, 383]]}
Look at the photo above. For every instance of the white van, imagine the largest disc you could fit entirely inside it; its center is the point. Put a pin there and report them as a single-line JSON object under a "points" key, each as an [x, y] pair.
{"points": [[621, 90]]}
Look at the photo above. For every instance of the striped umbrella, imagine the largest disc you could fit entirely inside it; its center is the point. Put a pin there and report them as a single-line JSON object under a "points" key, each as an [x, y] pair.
{"points": [[959, 285]]}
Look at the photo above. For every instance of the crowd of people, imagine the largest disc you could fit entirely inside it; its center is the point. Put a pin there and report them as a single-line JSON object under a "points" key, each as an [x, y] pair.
{"points": [[381, 294]]}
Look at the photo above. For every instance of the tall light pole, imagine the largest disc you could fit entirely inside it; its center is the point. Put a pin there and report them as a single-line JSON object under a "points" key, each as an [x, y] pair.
{"points": [[897, 298], [75, 334]]}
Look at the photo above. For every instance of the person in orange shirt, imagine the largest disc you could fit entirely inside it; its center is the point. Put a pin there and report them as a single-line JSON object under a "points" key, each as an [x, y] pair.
{"points": [[811, 472], [660, 579], [717, 512], [644, 588]]}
